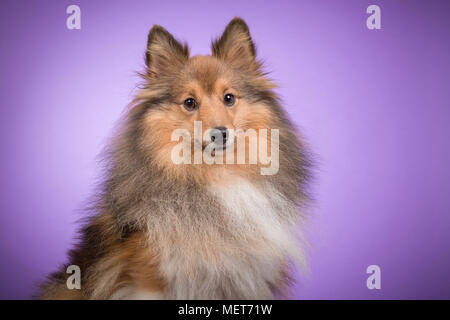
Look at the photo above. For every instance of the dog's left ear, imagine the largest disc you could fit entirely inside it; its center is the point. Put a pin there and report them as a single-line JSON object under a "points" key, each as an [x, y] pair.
{"points": [[164, 53], [235, 46]]}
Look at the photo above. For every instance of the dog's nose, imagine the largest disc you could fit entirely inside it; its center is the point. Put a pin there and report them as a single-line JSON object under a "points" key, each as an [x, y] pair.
{"points": [[218, 133]]}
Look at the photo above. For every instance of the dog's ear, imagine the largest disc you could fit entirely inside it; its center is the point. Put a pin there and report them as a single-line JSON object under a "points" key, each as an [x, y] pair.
{"points": [[164, 54], [236, 46]]}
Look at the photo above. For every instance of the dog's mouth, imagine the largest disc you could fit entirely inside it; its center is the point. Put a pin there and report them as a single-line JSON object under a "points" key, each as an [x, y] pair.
{"points": [[217, 148]]}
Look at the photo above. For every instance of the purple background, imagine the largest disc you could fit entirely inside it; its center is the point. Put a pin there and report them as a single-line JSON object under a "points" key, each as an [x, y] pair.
{"points": [[374, 105]]}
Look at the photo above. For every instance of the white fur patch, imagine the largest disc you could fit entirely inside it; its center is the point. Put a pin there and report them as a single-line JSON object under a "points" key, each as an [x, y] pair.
{"points": [[254, 211], [134, 293]]}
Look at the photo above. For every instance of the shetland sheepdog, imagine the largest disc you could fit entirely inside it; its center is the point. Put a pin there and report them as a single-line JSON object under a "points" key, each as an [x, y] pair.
{"points": [[178, 219]]}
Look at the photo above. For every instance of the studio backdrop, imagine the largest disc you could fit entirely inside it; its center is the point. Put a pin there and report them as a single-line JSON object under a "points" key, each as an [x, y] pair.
{"points": [[366, 82]]}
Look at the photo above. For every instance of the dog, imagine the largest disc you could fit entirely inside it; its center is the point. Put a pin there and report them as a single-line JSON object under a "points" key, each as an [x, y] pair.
{"points": [[202, 227]]}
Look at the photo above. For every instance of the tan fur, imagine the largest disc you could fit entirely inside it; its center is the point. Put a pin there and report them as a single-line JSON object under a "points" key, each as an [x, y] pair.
{"points": [[131, 262]]}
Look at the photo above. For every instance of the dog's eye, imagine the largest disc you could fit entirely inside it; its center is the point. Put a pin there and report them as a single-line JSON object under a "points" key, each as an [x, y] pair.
{"points": [[229, 99], [190, 104]]}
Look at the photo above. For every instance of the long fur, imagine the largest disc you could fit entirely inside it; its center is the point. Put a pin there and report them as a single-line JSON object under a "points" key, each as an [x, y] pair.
{"points": [[161, 231]]}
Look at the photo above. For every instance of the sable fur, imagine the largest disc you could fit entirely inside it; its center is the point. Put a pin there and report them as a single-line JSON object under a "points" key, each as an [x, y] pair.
{"points": [[192, 231]]}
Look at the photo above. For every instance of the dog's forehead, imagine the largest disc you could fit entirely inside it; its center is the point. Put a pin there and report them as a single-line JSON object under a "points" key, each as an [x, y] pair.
{"points": [[207, 71]]}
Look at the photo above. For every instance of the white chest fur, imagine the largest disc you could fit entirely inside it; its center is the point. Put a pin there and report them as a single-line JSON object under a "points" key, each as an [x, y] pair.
{"points": [[254, 210], [248, 262]]}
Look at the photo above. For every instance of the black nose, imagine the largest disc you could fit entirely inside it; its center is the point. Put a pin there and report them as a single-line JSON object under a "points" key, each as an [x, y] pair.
{"points": [[218, 132]]}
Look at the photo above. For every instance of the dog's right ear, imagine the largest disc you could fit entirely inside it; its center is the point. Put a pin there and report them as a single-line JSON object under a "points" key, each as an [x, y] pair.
{"points": [[164, 54], [236, 46]]}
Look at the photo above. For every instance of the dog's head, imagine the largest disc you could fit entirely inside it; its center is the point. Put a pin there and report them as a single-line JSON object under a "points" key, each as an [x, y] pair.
{"points": [[219, 94]]}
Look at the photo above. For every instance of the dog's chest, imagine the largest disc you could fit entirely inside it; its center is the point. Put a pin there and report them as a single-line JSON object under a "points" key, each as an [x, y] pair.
{"points": [[252, 210], [245, 265]]}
